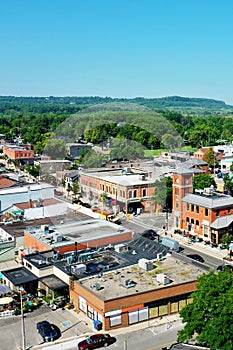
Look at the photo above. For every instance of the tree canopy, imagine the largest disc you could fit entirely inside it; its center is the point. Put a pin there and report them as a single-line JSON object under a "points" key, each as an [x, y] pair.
{"points": [[208, 319], [163, 192], [203, 181]]}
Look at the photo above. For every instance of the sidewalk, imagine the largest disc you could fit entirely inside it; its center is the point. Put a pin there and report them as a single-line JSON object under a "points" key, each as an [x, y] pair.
{"points": [[201, 247], [67, 343]]}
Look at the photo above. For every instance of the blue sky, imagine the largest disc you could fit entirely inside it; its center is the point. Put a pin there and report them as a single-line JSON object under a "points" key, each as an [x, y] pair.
{"points": [[117, 48]]}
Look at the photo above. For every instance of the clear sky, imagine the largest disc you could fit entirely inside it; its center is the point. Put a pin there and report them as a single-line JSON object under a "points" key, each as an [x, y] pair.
{"points": [[117, 48]]}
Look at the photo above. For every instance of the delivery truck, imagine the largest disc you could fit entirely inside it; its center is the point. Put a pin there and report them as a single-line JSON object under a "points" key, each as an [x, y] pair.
{"points": [[170, 243]]}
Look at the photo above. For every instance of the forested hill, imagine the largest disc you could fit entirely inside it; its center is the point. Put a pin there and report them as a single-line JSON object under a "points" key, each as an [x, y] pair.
{"points": [[171, 103]]}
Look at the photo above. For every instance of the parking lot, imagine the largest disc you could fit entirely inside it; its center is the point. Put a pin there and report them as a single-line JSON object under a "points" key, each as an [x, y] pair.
{"points": [[69, 322]]}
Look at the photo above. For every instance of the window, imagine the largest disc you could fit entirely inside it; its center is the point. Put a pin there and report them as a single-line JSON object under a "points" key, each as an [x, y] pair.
{"points": [[206, 212], [177, 180], [135, 193], [197, 224], [229, 210], [187, 206], [130, 194], [197, 209], [115, 320], [144, 192], [176, 191], [217, 212], [192, 207]]}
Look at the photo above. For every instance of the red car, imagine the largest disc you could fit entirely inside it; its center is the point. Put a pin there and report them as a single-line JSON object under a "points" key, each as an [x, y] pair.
{"points": [[95, 341]]}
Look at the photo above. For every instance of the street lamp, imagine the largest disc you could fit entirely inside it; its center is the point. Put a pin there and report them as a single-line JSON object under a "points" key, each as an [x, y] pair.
{"points": [[22, 320]]}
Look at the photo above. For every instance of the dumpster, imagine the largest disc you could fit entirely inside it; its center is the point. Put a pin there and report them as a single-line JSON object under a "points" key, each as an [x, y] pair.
{"points": [[97, 325]]}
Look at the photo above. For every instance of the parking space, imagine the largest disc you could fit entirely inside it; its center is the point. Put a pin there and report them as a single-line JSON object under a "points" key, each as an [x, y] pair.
{"points": [[69, 323]]}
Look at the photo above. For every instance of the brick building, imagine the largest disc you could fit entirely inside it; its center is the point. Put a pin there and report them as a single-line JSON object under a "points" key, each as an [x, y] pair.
{"points": [[206, 214], [108, 300], [24, 154], [126, 189]]}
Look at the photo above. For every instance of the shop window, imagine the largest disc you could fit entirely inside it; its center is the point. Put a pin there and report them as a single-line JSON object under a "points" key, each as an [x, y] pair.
{"points": [[163, 310], [90, 312], [153, 312], [115, 320], [174, 307]]}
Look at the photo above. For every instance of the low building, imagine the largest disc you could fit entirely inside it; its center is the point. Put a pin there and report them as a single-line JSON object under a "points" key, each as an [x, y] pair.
{"points": [[24, 154], [24, 193], [136, 293], [75, 150], [67, 237]]}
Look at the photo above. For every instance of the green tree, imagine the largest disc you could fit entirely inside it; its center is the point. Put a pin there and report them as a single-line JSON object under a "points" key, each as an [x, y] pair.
{"points": [[172, 142], [75, 188], [226, 240], [163, 192], [228, 183], [93, 159], [55, 148], [208, 319], [209, 157], [203, 181]]}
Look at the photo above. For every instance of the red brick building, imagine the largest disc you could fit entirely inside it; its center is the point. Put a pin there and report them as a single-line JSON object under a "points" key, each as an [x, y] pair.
{"points": [[124, 188], [205, 213], [22, 153], [107, 300]]}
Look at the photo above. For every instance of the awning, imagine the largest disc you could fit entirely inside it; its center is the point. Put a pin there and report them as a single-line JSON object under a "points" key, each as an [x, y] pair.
{"points": [[4, 289], [53, 282], [17, 212], [6, 300], [134, 201]]}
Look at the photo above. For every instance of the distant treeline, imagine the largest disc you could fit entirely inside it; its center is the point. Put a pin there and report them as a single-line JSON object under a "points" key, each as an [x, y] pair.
{"points": [[173, 103]]}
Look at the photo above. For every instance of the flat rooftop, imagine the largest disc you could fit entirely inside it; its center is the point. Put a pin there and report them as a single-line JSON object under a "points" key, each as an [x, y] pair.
{"points": [[81, 231], [110, 283]]}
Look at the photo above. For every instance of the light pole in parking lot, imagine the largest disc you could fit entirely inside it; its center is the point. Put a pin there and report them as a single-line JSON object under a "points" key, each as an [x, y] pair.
{"points": [[22, 320]]}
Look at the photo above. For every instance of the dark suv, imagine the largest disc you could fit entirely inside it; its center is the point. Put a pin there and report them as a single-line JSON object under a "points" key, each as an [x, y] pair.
{"points": [[47, 331]]}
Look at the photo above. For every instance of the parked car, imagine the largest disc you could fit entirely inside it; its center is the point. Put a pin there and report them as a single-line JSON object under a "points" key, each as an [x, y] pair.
{"points": [[150, 234], [223, 267], [48, 331], [196, 257], [86, 205], [95, 341]]}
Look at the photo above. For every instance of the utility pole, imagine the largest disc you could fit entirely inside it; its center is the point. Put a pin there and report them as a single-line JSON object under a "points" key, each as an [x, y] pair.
{"points": [[22, 320]]}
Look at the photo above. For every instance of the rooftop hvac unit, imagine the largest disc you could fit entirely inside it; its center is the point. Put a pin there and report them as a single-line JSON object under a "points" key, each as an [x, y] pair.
{"points": [[163, 279], [57, 237], [78, 269], [69, 259], [145, 264], [159, 256], [45, 228]]}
